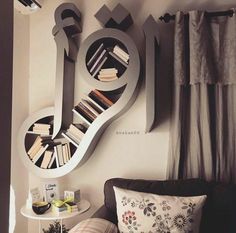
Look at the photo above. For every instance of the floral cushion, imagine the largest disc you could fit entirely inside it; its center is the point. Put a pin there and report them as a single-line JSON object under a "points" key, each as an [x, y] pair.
{"points": [[151, 213], [94, 225]]}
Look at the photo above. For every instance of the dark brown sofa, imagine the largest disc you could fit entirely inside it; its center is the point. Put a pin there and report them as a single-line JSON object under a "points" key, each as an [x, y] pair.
{"points": [[219, 213]]}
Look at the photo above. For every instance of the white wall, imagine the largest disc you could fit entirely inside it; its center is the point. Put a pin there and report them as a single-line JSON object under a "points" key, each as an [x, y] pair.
{"points": [[137, 156], [19, 175]]}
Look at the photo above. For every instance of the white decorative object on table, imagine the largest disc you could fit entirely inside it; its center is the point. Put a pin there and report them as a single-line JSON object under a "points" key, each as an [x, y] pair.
{"points": [[74, 195], [83, 206], [51, 191], [33, 196]]}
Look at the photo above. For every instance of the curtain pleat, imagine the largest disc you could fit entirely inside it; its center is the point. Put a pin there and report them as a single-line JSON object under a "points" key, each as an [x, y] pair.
{"points": [[203, 122]]}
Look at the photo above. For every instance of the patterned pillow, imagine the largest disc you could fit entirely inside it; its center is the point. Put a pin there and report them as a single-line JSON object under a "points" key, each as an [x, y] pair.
{"points": [[150, 213], [94, 225]]}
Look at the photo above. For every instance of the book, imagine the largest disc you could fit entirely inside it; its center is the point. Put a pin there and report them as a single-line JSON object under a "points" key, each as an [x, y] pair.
{"points": [[51, 191], [108, 79], [59, 154], [81, 116], [117, 58], [100, 57], [121, 52], [76, 131], [64, 154], [46, 159], [41, 131], [95, 105], [56, 156], [39, 153], [60, 209], [71, 138], [108, 74], [90, 107], [99, 66], [87, 111], [72, 207], [84, 113], [101, 99], [53, 159], [98, 101], [98, 93], [95, 55], [108, 71], [42, 126], [36, 144], [68, 150]]}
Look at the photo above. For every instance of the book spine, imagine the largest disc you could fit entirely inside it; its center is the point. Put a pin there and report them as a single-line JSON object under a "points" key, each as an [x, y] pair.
{"points": [[83, 113], [98, 93], [74, 130], [95, 55], [70, 139], [81, 116], [97, 61], [95, 104], [39, 154], [89, 107], [99, 66], [98, 101], [121, 52]]}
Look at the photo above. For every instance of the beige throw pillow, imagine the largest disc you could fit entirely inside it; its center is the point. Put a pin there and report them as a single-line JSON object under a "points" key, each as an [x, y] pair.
{"points": [[94, 225], [150, 213]]}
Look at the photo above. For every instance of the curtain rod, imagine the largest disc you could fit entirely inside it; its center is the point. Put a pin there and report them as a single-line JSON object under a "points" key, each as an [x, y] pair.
{"points": [[167, 17]]}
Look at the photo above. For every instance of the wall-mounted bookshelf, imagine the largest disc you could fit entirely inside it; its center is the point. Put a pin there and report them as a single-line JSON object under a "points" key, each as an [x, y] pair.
{"points": [[53, 141]]}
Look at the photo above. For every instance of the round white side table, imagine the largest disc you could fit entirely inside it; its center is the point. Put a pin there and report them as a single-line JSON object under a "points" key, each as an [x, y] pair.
{"points": [[83, 206]]}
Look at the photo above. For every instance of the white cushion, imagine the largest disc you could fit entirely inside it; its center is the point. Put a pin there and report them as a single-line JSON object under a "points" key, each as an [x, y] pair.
{"points": [[94, 225], [151, 213]]}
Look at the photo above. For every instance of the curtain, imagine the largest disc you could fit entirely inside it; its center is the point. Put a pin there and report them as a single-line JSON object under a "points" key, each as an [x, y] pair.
{"points": [[203, 116]]}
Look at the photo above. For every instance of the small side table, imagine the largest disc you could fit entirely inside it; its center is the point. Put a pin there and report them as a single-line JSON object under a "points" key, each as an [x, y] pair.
{"points": [[83, 206]]}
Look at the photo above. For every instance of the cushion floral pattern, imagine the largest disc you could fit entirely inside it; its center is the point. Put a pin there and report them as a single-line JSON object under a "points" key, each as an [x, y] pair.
{"points": [[150, 213]]}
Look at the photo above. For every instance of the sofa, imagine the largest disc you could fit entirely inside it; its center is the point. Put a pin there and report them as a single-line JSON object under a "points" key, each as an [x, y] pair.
{"points": [[219, 211]]}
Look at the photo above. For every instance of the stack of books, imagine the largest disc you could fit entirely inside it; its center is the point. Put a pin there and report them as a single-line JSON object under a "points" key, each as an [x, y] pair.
{"points": [[87, 110], [75, 133], [108, 74], [58, 210], [72, 207], [121, 54], [100, 99], [38, 147], [97, 60], [41, 128]]}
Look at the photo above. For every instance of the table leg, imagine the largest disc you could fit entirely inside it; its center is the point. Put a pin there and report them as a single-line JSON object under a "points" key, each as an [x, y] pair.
{"points": [[39, 226]]}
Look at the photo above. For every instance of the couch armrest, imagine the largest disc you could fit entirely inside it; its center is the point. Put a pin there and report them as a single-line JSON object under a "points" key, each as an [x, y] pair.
{"points": [[105, 213]]}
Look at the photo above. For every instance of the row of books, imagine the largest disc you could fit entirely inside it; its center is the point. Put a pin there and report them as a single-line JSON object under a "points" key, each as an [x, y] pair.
{"points": [[42, 128], [108, 74], [62, 153], [100, 56], [94, 104], [75, 133], [48, 153]]}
